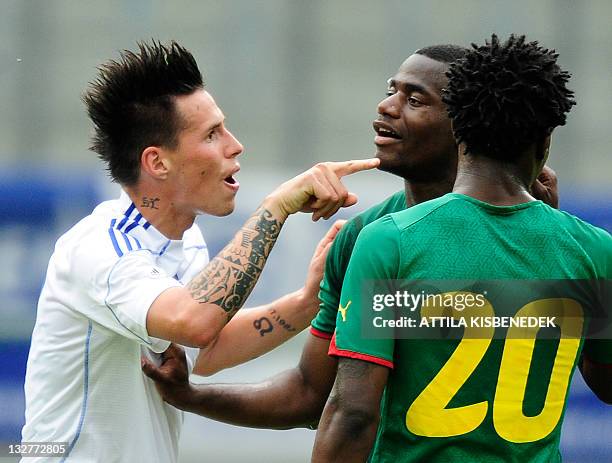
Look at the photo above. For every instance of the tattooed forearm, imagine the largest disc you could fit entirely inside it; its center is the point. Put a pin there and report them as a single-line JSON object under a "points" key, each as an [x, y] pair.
{"points": [[263, 325], [266, 324], [281, 321], [230, 277]]}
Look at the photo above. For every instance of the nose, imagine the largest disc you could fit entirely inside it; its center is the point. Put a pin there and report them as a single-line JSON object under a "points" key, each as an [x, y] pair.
{"points": [[234, 147], [389, 107]]}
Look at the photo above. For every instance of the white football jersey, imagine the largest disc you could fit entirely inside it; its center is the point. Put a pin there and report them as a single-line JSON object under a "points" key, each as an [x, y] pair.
{"points": [[84, 385]]}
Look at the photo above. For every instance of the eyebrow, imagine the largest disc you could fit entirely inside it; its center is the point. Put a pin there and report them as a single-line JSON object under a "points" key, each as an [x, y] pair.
{"points": [[408, 87], [214, 126]]}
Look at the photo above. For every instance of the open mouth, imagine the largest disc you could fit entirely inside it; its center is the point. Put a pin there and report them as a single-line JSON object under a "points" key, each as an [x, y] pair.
{"points": [[388, 134], [384, 130], [385, 134], [231, 182]]}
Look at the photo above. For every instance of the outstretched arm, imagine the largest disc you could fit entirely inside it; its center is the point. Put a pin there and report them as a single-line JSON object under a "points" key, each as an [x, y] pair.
{"points": [[348, 426], [293, 398], [597, 375], [195, 315], [253, 332]]}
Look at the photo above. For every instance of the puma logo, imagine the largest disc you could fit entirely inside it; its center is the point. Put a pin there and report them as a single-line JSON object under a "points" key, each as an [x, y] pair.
{"points": [[343, 310]]}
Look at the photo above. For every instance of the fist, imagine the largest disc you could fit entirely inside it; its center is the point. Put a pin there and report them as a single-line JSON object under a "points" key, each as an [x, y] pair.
{"points": [[545, 187]]}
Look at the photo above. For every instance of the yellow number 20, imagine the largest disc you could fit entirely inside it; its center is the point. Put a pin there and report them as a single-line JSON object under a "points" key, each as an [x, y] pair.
{"points": [[429, 416]]}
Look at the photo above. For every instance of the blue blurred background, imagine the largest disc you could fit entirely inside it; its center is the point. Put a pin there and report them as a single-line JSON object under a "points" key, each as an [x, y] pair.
{"points": [[299, 82]]}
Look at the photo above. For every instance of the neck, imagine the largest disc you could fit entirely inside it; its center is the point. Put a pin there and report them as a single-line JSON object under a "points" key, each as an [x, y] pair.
{"points": [[493, 181], [158, 210], [419, 192]]}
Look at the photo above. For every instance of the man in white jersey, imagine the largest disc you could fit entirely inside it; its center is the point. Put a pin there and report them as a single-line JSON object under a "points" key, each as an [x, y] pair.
{"points": [[134, 275]]}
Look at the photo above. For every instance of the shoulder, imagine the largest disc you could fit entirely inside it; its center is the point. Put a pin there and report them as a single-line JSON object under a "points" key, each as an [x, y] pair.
{"points": [[92, 234], [586, 235], [94, 244], [376, 254], [379, 229], [596, 242], [582, 229], [393, 203], [348, 234], [379, 242], [415, 214]]}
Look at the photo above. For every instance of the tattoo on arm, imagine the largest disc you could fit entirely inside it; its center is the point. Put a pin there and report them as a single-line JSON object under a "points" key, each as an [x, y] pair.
{"points": [[281, 321], [230, 277], [263, 325]]}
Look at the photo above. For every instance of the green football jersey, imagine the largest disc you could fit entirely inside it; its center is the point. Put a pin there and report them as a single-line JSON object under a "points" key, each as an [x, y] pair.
{"points": [[338, 258], [495, 399]]}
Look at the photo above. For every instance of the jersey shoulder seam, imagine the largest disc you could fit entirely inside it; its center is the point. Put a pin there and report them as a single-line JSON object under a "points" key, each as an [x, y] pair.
{"points": [[417, 220]]}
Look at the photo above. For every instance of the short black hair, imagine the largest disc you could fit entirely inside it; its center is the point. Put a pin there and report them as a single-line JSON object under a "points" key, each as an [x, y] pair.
{"points": [[445, 53], [131, 104], [503, 97]]}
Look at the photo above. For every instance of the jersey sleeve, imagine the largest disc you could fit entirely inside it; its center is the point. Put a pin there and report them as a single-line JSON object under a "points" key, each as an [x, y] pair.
{"points": [[117, 292], [336, 264], [196, 255], [376, 257]]}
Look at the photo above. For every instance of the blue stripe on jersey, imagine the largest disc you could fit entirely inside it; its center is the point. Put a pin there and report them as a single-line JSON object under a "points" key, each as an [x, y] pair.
{"points": [[137, 242], [127, 216], [85, 391], [134, 223], [113, 238], [146, 225], [164, 248], [127, 241]]}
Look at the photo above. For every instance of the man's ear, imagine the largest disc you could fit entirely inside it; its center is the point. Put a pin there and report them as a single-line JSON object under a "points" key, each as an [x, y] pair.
{"points": [[154, 162], [543, 148], [461, 149]]}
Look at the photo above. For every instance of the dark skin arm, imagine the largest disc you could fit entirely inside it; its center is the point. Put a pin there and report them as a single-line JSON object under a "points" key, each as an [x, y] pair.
{"points": [[598, 377], [596, 369], [294, 398], [349, 422]]}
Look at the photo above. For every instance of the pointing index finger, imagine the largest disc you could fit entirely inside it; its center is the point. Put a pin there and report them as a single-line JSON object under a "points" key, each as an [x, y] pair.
{"points": [[343, 168]]}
